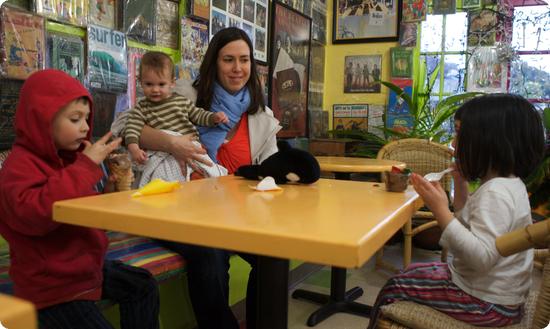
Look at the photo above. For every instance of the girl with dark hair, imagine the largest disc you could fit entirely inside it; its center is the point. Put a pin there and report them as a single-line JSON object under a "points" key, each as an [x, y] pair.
{"points": [[499, 141], [228, 82]]}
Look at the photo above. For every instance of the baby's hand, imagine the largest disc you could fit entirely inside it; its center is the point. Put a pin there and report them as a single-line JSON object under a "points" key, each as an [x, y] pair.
{"points": [[98, 151], [137, 154], [220, 117]]}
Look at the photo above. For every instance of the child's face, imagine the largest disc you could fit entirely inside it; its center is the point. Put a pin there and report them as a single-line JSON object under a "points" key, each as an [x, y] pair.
{"points": [[157, 87], [455, 139], [70, 125]]}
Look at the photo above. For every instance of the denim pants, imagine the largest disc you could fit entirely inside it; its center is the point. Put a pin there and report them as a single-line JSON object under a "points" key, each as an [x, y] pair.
{"points": [[133, 288], [208, 281]]}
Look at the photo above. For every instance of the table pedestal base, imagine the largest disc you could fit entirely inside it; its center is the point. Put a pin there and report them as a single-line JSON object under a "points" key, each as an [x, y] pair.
{"points": [[339, 300]]}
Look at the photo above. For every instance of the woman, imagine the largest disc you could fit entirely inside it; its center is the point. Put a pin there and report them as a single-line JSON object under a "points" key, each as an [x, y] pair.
{"points": [[228, 82]]}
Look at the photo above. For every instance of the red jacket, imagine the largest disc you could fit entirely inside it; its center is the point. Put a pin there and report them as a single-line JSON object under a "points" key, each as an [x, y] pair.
{"points": [[51, 262]]}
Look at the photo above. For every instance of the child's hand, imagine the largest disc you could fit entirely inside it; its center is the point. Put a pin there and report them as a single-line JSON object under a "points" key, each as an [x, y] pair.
{"points": [[220, 117], [137, 154], [98, 151], [434, 198]]}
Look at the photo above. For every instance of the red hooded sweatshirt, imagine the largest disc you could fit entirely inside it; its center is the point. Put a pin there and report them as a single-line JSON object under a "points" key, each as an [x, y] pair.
{"points": [[51, 262]]}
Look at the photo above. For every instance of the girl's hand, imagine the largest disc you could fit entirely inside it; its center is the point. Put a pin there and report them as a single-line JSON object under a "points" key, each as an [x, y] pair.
{"points": [[434, 198], [98, 151]]}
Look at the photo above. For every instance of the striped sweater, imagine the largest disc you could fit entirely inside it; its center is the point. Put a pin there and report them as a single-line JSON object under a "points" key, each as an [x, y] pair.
{"points": [[175, 113]]}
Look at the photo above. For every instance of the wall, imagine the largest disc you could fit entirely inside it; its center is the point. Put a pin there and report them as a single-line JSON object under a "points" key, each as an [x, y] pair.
{"points": [[334, 69]]}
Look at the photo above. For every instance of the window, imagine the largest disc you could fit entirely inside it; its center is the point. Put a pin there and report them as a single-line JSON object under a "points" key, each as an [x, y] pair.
{"points": [[530, 73], [443, 45], [448, 50]]}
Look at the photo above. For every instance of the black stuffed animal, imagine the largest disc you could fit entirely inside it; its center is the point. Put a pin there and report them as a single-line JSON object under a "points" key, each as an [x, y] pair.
{"points": [[287, 165]]}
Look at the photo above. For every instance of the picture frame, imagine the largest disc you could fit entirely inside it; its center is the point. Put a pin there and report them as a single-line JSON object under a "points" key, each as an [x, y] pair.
{"points": [[199, 8], [471, 3], [414, 11], [482, 26], [352, 25], [401, 65], [248, 15], [350, 117], [362, 74], [289, 72], [443, 7]]}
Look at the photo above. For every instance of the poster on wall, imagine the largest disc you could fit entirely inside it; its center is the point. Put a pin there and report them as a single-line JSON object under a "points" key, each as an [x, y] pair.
{"points": [[199, 8], [362, 74], [368, 21], [289, 81], [350, 117], [107, 60], [401, 62], [248, 15], [482, 26], [194, 42]]}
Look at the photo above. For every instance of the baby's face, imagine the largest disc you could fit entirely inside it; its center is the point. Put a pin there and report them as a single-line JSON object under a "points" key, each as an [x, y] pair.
{"points": [[157, 87]]}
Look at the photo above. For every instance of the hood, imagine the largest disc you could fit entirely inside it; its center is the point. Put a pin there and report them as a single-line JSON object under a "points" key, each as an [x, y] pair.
{"points": [[41, 97]]}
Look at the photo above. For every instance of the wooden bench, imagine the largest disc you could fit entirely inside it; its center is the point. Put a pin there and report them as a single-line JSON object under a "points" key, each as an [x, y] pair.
{"points": [[132, 250]]}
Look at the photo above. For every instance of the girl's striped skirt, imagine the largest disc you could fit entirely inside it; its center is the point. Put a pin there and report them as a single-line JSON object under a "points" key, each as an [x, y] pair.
{"points": [[430, 284]]}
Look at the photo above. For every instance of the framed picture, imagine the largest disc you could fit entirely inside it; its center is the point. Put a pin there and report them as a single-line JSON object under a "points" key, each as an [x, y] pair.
{"points": [[350, 117], [368, 21], [263, 74], [289, 74], [362, 74], [414, 11], [401, 62], [471, 3], [407, 34], [248, 15], [443, 7], [199, 8], [482, 26]]}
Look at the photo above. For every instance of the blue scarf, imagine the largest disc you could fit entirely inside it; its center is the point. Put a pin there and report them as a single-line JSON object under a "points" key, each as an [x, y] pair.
{"points": [[233, 105]]}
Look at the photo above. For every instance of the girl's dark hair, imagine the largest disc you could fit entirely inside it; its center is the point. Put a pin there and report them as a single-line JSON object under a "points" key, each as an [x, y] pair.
{"points": [[500, 133], [209, 69]]}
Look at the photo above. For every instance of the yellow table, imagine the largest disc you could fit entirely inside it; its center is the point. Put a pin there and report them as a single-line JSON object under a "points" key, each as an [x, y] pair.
{"points": [[331, 222], [16, 313], [342, 167], [339, 299]]}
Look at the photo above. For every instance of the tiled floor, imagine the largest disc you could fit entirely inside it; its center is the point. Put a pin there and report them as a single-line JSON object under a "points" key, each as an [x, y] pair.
{"points": [[367, 277]]}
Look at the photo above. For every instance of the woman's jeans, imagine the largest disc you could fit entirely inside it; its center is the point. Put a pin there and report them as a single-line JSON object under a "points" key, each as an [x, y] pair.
{"points": [[208, 281]]}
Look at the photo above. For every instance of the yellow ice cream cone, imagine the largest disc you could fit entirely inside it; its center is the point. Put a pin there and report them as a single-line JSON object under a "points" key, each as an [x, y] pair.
{"points": [[157, 186]]}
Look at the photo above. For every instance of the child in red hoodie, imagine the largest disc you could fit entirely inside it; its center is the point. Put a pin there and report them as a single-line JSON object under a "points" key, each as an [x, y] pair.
{"points": [[59, 267]]}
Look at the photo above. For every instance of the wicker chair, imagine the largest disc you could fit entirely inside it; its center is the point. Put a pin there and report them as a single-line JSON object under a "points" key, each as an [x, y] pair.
{"points": [[404, 315], [422, 157]]}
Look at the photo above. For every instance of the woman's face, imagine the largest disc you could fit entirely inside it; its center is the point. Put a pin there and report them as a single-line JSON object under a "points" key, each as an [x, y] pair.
{"points": [[234, 65]]}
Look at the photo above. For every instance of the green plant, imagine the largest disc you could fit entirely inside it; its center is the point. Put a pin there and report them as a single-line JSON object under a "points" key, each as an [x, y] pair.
{"points": [[538, 183], [428, 120]]}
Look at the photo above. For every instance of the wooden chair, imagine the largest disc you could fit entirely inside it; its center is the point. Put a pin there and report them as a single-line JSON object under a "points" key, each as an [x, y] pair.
{"points": [[404, 315], [422, 157]]}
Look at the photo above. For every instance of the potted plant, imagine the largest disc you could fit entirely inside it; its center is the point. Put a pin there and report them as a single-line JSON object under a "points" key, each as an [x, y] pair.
{"points": [[538, 183], [428, 120]]}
